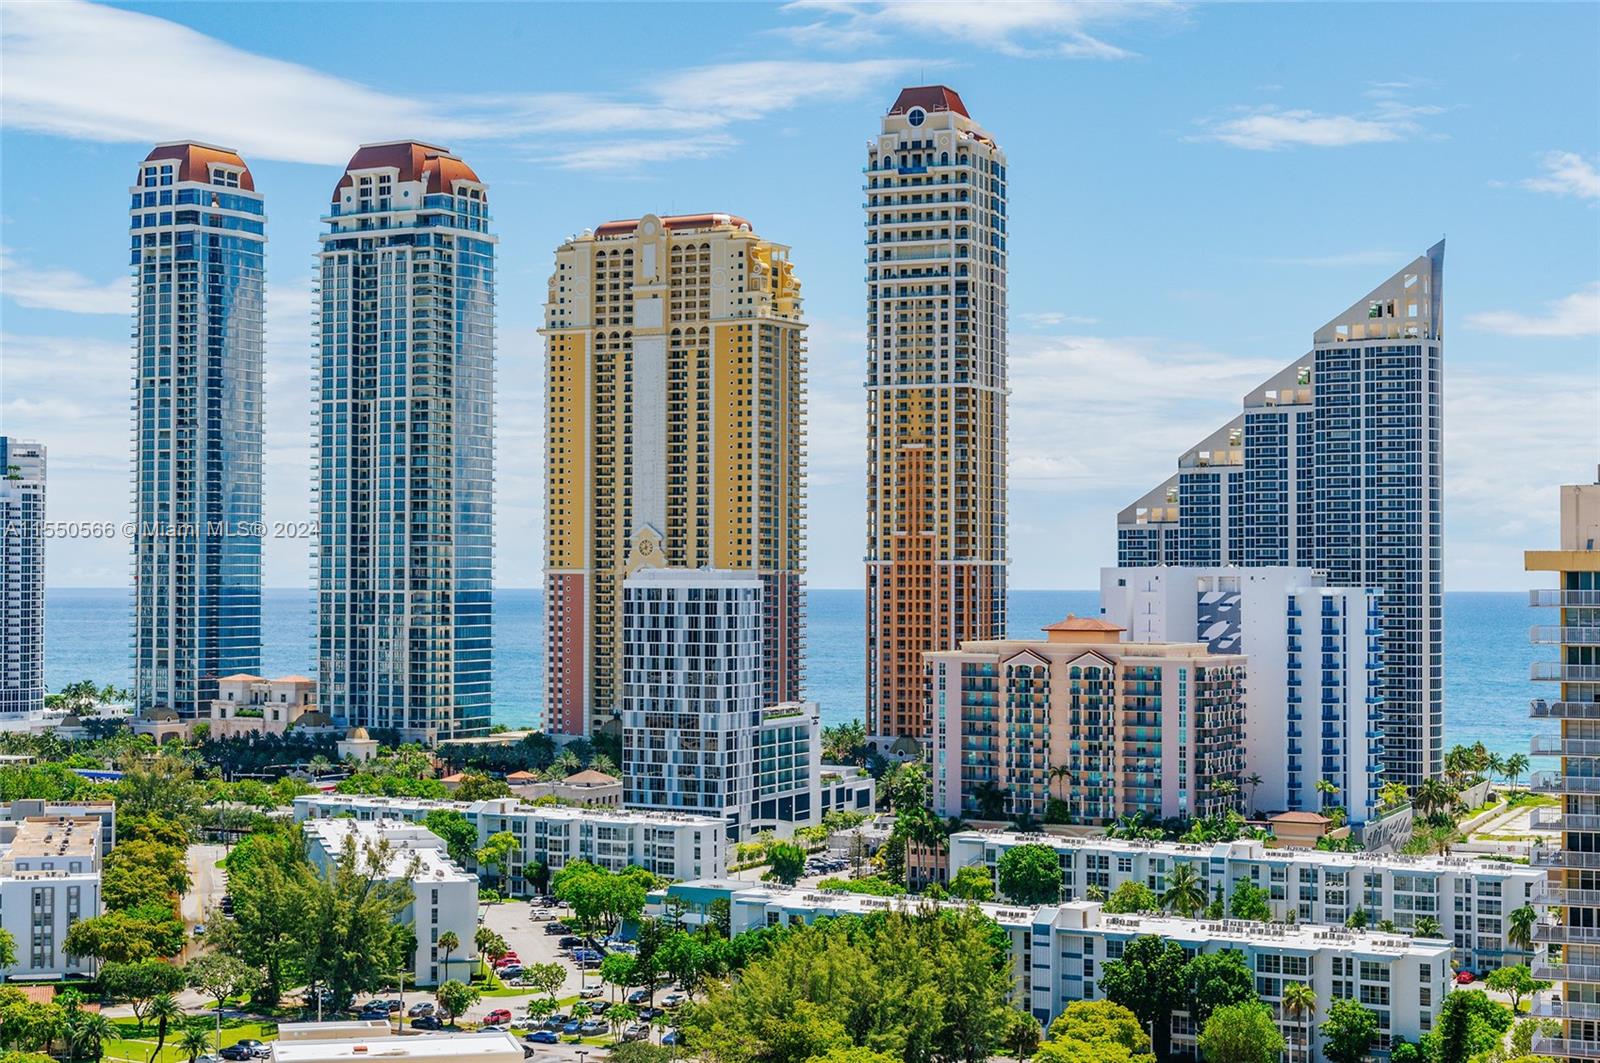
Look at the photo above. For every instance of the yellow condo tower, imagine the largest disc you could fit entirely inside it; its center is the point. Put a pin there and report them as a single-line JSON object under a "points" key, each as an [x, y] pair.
{"points": [[675, 436], [936, 398]]}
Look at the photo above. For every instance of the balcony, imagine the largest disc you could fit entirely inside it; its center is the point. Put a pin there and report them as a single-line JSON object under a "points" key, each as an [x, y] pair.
{"points": [[1542, 709], [1557, 746], [1555, 934], [1564, 599], [1566, 972], [1549, 782], [1569, 1009], [1550, 635], [1563, 1048], [1561, 896], [1565, 673], [1546, 857]]}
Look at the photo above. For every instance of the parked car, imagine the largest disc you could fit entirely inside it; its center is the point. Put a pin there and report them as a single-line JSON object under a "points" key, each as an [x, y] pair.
{"points": [[638, 996], [636, 1031], [544, 1037], [510, 970], [569, 942], [1465, 978], [572, 1027], [199, 929], [650, 1013], [420, 1009], [554, 928], [590, 1027], [671, 1037], [427, 1022], [493, 1027], [592, 993], [672, 1000], [235, 1054], [598, 1007], [498, 1015], [553, 1022]]}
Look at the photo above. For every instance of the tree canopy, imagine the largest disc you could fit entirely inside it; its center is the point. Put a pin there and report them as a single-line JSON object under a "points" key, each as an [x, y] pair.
{"points": [[1029, 874]]}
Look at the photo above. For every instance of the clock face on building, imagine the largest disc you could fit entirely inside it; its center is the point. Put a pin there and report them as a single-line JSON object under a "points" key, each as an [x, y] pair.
{"points": [[646, 547], [916, 116]]}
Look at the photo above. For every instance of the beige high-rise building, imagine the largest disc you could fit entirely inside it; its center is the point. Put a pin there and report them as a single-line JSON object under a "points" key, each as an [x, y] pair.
{"points": [[1567, 936], [675, 436], [936, 397]]}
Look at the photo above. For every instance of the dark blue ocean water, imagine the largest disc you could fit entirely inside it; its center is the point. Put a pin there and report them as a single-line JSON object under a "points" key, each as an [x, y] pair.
{"points": [[1486, 650]]}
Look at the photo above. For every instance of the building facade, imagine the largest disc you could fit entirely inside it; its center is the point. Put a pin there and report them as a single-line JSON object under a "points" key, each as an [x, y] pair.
{"points": [[1567, 935], [669, 844], [197, 256], [1335, 464], [404, 439], [49, 879], [1059, 951], [22, 509], [675, 413], [444, 897], [1104, 727], [1315, 697], [1472, 899], [936, 397]]}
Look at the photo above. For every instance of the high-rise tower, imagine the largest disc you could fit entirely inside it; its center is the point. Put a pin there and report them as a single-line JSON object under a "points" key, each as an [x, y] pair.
{"points": [[936, 397], [198, 241], [1336, 464], [675, 435], [22, 578], [405, 445], [1567, 935]]}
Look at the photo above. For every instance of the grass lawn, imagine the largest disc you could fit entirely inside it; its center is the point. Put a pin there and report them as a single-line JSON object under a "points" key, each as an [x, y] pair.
{"points": [[133, 1045]]}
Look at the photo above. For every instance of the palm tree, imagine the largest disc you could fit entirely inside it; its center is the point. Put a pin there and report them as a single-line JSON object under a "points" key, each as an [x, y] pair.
{"points": [[1253, 780], [1496, 764], [1434, 795], [483, 938], [1328, 790], [1061, 771], [90, 1033], [1520, 932], [1226, 788], [603, 764], [1426, 926], [1513, 767], [195, 1041], [1300, 1002], [567, 763], [164, 1010], [1185, 893], [449, 942]]}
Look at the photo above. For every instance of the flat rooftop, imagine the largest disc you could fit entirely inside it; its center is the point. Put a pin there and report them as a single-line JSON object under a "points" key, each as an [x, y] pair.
{"points": [[505, 806], [48, 836], [407, 842], [476, 1047]]}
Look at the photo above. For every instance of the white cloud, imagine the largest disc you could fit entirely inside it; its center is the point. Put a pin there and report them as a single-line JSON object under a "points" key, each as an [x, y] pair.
{"points": [[1577, 314], [1021, 28], [82, 70], [1055, 318], [1566, 173], [48, 288], [1272, 128]]}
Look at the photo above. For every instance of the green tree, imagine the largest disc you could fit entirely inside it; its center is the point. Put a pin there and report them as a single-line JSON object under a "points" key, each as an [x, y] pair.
{"points": [[600, 899], [349, 935], [617, 971], [88, 1035], [1349, 1032], [1132, 896], [1520, 931], [1029, 874], [1021, 1035], [1426, 926], [455, 998], [683, 957], [618, 1016], [1516, 981], [460, 836], [126, 936], [845, 743], [140, 983], [164, 1011], [1185, 892], [1095, 1031], [476, 786], [1299, 1005], [8, 952], [1148, 980], [787, 862], [221, 977], [1216, 979], [1468, 1024], [1514, 766], [1241, 1033], [852, 1054], [143, 872], [498, 851], [1249, 901], [972, 883], [448, 943], [194, 1042], [271, 882]]}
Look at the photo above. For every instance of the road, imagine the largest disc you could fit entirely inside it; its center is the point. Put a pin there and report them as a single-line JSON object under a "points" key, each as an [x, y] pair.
{"points": [[207, 884]]}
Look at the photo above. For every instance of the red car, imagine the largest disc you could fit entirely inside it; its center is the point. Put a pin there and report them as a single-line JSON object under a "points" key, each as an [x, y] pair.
{"points": [[498, 1015], [1465, 978], [510, 957]]}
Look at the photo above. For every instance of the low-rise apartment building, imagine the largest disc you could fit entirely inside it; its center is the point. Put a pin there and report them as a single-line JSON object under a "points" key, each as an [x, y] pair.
{"points": [[49, 879], [671, 845], [34, 808], [350, 1042], [1471, 898], [1059, 951], [1106, 727], [444, 896]]}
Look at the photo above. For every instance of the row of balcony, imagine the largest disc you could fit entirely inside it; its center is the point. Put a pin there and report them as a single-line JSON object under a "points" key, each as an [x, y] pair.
{"points": [[1562, 672], [1556, 635], [1542, 709]]}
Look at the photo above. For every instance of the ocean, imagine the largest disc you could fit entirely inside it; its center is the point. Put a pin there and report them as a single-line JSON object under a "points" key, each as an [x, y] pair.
{"points": [[1486, 650]]}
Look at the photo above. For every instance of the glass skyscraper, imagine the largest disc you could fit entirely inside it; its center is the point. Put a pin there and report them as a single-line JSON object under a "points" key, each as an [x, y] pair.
{"points": [[1335, 464], [21, 578], [404, 439], [197, 245]]}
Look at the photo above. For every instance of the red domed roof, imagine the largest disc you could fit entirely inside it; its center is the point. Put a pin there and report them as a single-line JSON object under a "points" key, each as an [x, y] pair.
{"points": [[415, 160], [929, 98], [195, 159]]}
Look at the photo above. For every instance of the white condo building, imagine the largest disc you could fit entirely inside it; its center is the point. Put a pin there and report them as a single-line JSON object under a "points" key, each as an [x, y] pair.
{"points": [[1314, 701], [22, 586], [444, 896], [49, 879], [1471, 898], [1058, 951], [671, 845]]}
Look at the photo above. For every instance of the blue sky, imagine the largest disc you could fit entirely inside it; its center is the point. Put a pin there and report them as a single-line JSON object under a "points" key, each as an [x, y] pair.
{"points": [[1194, 190]]}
